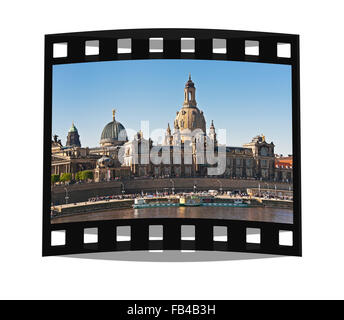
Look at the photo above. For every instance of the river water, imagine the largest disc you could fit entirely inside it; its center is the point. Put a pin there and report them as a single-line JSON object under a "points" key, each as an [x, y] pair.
{"points": [[249, 214]]}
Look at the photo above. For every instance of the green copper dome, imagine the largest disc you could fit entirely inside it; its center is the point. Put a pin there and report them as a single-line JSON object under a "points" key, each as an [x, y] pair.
{"points": [[73, 137], [73, 128]]}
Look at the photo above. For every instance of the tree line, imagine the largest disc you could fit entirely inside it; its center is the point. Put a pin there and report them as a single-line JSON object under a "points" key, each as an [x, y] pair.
{"points": [[66, 177]]}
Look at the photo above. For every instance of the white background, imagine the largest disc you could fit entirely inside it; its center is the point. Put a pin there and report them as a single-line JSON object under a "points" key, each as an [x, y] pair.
{"points": [[25, 274]]}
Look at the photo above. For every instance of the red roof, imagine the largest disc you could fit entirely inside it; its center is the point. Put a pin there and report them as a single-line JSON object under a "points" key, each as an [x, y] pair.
{"points": [[284, 162]]}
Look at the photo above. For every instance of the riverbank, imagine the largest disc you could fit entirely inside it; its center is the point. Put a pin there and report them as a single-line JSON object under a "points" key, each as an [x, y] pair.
{"points": [[119, 204], [85, 191]]}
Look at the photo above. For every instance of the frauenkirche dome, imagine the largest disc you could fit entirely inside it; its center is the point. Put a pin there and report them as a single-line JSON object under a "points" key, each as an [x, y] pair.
{"points": [[190, 117]]}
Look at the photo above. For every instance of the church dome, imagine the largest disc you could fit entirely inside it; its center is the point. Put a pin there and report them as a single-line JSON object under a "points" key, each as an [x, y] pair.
{"points": [[190, 118], [113, 133]]}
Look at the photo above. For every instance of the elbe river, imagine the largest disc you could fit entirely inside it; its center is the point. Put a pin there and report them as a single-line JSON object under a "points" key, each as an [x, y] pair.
{"points": [[262, 214]]}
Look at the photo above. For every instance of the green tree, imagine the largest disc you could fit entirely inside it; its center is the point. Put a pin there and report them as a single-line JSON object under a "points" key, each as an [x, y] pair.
{"points": [[87, 174], [78, 176], [55, 178], [66, 177]]}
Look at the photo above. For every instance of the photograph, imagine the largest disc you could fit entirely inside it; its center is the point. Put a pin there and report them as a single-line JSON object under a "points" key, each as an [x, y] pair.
{"points": [[172, 139], [172, 160]]}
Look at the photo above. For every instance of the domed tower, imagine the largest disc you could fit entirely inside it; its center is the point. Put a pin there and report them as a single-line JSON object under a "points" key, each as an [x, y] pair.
{"points": [[189, 94], [73, 138], [190, 117], [113, 134]]}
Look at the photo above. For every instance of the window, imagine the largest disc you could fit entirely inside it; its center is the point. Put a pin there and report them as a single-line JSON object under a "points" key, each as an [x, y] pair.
{"points": [[238, 172], [264, 163]]}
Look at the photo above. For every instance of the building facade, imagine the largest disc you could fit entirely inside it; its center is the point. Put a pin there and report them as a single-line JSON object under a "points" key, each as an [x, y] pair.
{"points": [[116, 157]]}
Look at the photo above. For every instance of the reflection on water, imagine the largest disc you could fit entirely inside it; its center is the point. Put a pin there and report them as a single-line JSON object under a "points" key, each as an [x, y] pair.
{"points": [[251, 214]]}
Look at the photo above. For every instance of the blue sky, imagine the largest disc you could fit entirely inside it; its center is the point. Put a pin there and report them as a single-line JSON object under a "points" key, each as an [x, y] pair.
{"points": [[244, 98]]}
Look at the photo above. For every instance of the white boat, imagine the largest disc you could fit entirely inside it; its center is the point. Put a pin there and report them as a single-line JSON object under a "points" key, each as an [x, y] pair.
{"points": [[139, 203], [213, 192], [189, 201]]}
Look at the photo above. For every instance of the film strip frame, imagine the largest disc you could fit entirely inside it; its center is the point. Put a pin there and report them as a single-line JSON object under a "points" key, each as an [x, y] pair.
{"points": [[204, 228]]}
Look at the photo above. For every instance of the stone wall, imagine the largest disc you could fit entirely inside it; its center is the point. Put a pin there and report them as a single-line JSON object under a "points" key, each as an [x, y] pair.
{"points": [[102, 206], [82, 192]]}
